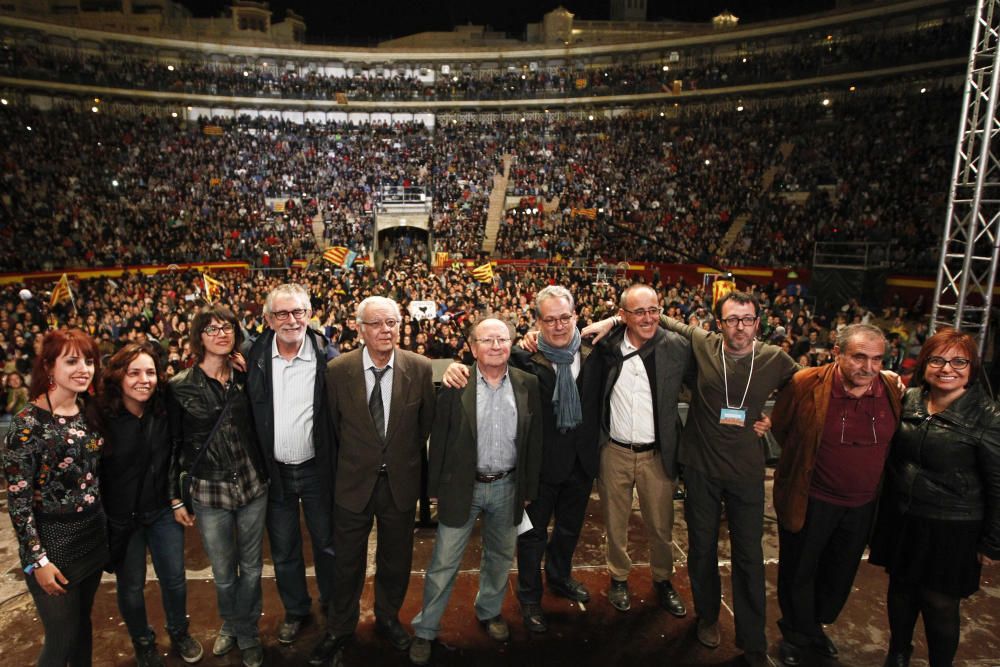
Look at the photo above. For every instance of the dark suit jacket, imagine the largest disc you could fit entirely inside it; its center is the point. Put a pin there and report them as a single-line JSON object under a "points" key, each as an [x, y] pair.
{"points": [[561, 450], [359, 455], [260, 391], [453, 455], [669, 363]]}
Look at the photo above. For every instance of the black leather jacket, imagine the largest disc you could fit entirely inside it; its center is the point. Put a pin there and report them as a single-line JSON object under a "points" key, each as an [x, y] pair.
{"points": [[947, 466], [194, 407]]}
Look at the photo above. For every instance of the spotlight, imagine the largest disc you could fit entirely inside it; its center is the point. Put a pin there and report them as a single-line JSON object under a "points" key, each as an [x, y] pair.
{"points": [[739, 108], [173, 114], [3, 101], [170, 68], [826, 101], [94, 109]]}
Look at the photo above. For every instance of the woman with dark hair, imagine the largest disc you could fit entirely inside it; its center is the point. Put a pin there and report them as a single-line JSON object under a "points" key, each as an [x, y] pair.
{"points": [[214, 442], [134, 484], [939, 518], [51, 461], [17, 393]]}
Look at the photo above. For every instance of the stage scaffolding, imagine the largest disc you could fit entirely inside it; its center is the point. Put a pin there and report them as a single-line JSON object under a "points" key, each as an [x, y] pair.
{"points": [[967, 273]]}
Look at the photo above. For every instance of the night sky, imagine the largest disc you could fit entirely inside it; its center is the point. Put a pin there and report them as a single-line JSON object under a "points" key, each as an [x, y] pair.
{"points": [[364, 22]]}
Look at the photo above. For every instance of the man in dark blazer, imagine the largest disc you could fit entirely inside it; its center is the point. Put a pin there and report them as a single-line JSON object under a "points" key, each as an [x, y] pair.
{"points": [[485, 457], [381, 401], [642, 369], [286, 384], [570, 454]]}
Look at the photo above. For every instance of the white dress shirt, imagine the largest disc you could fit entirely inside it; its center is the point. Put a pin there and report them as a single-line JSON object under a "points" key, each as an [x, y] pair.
{"points": [[632, 419]]}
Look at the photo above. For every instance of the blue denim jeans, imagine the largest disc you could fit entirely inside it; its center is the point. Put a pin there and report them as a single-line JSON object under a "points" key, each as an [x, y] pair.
{"points": [[165, 539], [234, 543], [495, 501], [301, 484]]}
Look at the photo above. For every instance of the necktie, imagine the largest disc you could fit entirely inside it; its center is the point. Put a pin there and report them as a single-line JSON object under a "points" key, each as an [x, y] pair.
{"points": [[375, 405]]}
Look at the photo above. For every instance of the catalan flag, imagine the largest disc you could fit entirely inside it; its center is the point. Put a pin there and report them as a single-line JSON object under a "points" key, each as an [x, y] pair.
{"points": [[210, 284], [588, 213], [336, 254], [212, 131], [721, 288], [484, 273], [61, 292], [341, 98]]}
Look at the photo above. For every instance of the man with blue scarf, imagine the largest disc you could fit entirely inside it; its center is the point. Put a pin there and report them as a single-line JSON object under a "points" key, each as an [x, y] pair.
{"points": [[569, 392]]}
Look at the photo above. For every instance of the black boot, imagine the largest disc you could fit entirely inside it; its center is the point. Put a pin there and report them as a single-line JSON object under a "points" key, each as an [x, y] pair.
{"points": [[898, 658], [146, 654]]}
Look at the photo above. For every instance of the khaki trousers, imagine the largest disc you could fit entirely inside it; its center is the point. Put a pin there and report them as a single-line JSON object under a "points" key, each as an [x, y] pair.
{"points": [[621, 471]]}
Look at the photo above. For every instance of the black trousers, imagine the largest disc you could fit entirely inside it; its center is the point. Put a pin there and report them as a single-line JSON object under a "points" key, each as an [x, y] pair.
{"points": [[817, 565], [66, 618], [744, 501], [393, 557], [568, 503]]}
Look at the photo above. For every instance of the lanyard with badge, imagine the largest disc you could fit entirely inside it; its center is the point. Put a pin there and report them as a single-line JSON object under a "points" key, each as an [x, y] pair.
{"points": [[729, 415]]}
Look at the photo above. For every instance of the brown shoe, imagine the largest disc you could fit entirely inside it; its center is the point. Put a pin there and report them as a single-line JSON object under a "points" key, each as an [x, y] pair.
{"points": [[708, 633]]}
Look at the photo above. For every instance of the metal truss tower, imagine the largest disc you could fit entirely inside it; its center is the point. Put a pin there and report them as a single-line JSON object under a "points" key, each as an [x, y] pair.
{"points": [[972, 230]]}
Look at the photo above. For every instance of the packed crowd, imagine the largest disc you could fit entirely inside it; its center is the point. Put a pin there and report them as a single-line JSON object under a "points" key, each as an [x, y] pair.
{"points": [[807, 55], [642, 187], [648, 188], [141, 308]]}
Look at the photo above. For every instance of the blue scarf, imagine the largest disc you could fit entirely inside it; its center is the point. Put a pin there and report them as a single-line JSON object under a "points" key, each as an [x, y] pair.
{"points": [[566, 397]]}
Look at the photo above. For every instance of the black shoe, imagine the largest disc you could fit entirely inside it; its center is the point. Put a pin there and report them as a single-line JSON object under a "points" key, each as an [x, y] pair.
{"points": [[789, 653], [534, 619], [327, 648], [570, 588], [824, 646], [619, 596], [394, 632], [758, 659], [290, 628], [898, 658], [146, 654], [669, 599]]}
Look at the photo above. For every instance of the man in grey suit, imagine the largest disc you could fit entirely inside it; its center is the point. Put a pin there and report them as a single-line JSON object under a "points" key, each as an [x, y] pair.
{"points": [[485, 458], [381, 403]]}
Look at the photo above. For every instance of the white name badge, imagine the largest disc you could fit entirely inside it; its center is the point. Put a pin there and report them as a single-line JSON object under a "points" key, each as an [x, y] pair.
{"points": [[732, 417]]}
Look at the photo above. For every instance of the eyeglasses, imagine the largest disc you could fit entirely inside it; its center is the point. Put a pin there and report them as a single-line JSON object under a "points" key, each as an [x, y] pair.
{"points": [[378, 324], [494, 340], [551, 321], [213, 330], [282, 315], [746, 320], [642, 312], [958, 363]]}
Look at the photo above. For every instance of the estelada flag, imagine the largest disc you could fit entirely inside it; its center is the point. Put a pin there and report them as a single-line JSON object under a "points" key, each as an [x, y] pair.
{"points": [[210, 284], [484, 273], [721, 288], [61, 291]]}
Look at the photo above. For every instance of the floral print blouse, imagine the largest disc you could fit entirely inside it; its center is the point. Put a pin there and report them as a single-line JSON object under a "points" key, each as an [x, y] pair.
{"points": [[50, 464]]}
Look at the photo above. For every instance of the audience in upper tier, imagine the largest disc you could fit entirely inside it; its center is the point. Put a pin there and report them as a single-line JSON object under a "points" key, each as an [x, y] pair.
{"points": [[802, 56]]}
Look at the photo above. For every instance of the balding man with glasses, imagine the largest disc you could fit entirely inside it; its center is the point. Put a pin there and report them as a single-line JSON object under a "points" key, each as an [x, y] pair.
{"points": [[834, 424], [381, 402]]}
